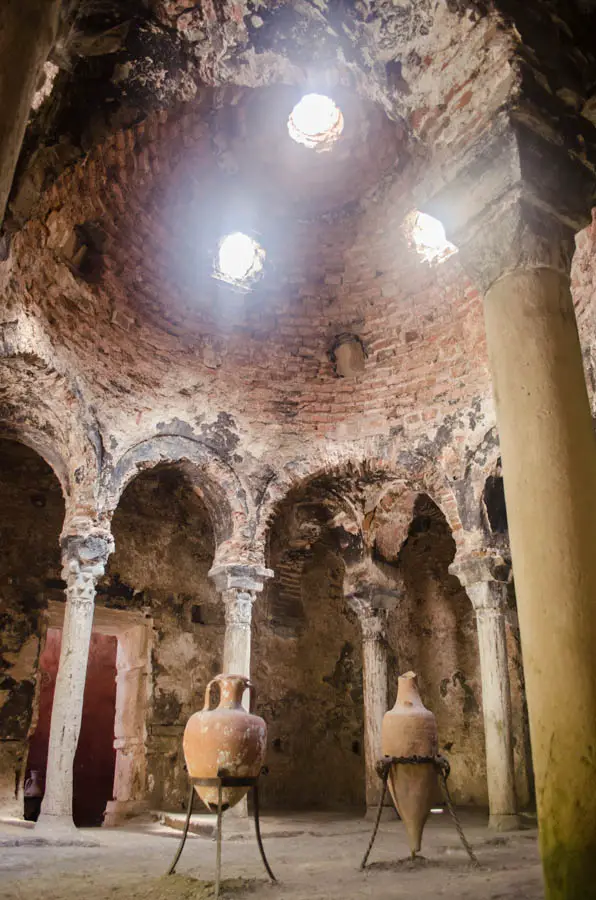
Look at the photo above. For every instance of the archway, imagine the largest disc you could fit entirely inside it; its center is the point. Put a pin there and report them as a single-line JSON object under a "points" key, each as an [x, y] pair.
{"points": [[165, 546], [433, 632], [307, 665], [32, 516]]}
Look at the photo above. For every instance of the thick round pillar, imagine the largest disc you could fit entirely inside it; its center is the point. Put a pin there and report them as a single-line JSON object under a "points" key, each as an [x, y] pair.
{"points": [[487, 599], [84, 560], [549, 466], [374, 677], [27, 33]]}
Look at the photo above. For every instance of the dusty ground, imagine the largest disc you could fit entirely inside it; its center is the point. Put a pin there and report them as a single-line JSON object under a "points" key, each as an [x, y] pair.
{"points": [[314, 857]]}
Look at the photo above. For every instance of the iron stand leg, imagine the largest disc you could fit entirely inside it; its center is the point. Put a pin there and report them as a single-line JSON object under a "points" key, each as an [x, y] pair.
{"points": [[191, 800], [378, 819], [218, 857], [255, 797]]}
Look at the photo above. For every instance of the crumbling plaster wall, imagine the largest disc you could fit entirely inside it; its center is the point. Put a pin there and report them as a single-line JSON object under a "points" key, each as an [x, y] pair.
{"points": [[32, 516], [445, 95], [432, 631]]}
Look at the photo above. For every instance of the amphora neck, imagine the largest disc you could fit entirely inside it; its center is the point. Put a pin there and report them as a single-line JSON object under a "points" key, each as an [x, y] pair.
{"points": [[407, 690], [232, 688]]}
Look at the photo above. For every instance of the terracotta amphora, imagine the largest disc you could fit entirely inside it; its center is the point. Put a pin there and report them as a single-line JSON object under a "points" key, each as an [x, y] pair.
{"points": [[409, 729], [225, 740]]}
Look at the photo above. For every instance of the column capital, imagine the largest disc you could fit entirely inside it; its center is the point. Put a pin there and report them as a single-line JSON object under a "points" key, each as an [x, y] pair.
{"points": [[518, 204], [481, 567], [238, 607], [84, 558], [239, 576], [488, 597], [372, 619]]}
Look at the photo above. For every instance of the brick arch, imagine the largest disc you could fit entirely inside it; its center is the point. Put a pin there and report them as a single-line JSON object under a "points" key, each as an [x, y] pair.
{"points": [[219, 485], [43, 409], [387, 468]]}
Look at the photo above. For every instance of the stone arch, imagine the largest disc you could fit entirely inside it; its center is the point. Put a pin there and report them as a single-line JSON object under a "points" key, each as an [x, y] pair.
{"points": [[216, 482], [387, 470], [45, 408], [308, 656]]}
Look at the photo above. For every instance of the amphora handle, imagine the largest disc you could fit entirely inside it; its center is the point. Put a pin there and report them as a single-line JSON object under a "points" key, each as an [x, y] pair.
{"points": [[248, 685]]}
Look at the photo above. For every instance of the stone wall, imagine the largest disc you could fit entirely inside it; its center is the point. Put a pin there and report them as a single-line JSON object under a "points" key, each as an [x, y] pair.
{"points": [[162, 342]]}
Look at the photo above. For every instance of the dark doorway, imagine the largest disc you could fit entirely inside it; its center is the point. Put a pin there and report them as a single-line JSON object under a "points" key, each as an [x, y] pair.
{"points": [[95, 757]]}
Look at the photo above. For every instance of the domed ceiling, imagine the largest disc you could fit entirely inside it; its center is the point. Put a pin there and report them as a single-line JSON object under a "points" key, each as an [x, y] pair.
{"points": [[182, 181]]}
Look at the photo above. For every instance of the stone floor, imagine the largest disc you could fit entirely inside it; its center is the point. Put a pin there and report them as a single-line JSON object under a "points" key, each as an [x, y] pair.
{"points": [[314, 857]]}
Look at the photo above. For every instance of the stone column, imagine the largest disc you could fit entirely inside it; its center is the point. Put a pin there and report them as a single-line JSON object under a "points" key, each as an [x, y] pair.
{"points": [[370, 594], [237, 640], [549, 468], [84, 559], [517, 247], [27, 33], [374, 681], [239, 585], [488, 600]]}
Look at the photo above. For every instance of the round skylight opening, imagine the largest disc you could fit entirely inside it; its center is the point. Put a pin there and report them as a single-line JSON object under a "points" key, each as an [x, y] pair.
{"points": [[239, 259], [316, 122], [427, 235]]}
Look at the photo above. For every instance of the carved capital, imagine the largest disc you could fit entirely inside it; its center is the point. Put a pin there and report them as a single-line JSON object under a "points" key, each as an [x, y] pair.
{"points": [[376, 584], [488, 598], [238, 608], [480, 567], [373, 620], [84, 559], [237, 576]]}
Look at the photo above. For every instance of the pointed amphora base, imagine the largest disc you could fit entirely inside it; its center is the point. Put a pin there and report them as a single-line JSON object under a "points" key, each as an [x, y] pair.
{"points": [[409, 729]]}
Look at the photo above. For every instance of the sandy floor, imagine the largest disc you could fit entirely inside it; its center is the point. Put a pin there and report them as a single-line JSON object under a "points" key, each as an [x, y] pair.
{"points": [[313, 857]]}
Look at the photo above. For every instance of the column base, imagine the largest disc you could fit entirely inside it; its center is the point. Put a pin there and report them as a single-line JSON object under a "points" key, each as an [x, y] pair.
{"points": [[118, 812], [60, 830], [504, 822]]}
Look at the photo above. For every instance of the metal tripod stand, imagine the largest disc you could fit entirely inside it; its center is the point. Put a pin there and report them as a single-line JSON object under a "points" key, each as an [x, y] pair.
{"points": [[220, 782], [443, 769]]}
